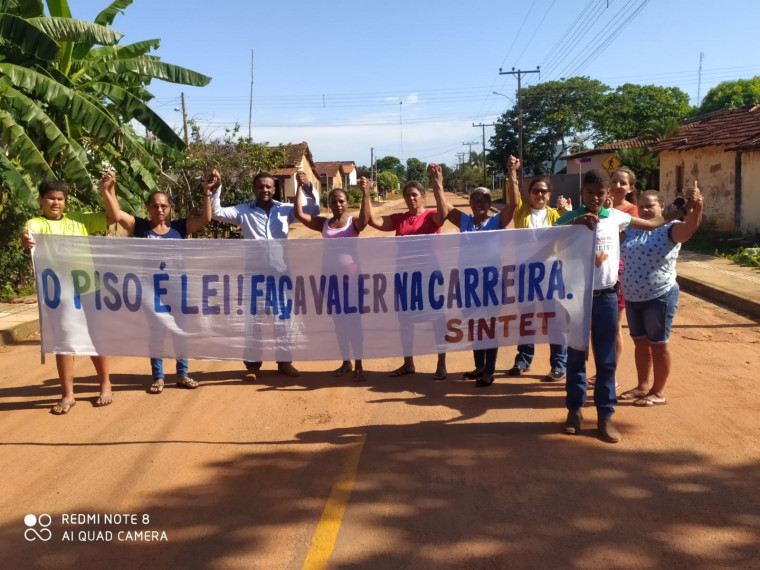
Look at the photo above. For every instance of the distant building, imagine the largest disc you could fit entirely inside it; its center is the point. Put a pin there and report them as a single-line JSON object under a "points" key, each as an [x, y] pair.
{"points": [[336, 174], [722, 151], [298, 158]]}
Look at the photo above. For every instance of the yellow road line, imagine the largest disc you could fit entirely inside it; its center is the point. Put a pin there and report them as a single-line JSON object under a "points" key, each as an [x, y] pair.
{"points": [[323, 542]]}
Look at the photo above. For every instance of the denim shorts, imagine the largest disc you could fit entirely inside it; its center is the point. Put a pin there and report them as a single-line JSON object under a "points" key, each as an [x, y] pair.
{"points": [[652, 319]]}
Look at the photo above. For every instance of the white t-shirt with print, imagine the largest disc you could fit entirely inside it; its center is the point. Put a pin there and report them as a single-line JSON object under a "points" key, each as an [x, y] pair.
{"points": [[607, 250]]}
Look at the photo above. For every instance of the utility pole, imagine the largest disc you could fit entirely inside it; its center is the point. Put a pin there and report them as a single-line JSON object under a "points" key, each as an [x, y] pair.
{"points": [[184, 119], [699, 82], [469, 156], [519, 73], [460, 157], [250, 106], [483, 126]]}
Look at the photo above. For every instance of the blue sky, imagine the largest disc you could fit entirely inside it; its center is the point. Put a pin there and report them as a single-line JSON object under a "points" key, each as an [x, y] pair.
{"points": [[332, 73]]}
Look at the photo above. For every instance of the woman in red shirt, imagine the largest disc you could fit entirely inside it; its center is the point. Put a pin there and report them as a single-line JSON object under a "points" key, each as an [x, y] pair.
{"points": [[415, 221]]}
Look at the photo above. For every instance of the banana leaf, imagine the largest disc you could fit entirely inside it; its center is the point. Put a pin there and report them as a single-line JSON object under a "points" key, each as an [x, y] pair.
{"points": [[27, 37], [77, 31], [15, 182]]}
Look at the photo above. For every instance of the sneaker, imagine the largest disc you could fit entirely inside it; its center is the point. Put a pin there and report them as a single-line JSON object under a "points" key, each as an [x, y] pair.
{"points": [[573, 423], [553, 376], [516, 371], [608, 431], [287, 369]]}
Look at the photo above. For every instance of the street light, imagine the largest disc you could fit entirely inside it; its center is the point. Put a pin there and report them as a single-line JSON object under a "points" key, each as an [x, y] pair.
{"points": [[507, 96]]}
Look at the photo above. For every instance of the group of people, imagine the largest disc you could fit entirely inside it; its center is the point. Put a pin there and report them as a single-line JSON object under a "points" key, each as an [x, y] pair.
{"points": [[635, 253]]}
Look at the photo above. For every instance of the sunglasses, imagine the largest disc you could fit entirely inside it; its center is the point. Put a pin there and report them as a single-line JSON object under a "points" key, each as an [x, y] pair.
{"points": [[539, 191]]}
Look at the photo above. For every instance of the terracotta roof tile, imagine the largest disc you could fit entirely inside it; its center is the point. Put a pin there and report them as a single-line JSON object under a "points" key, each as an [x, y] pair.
{"points": [[734, 129], [635, 142]]}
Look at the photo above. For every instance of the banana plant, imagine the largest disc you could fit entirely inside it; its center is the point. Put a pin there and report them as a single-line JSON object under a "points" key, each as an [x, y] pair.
{"points": [[69, 95]]}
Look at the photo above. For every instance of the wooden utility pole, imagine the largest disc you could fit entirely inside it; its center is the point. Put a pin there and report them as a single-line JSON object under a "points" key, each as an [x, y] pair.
{"points": [[250, 105], [184, 119], [519, 73], [483, 126]]}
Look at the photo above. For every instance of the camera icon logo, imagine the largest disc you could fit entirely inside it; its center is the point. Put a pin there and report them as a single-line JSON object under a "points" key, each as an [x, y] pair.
{"points": [[43, 534]]}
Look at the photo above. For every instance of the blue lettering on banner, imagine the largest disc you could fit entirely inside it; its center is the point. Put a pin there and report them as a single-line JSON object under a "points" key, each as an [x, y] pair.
{"points": [[49, 276]]}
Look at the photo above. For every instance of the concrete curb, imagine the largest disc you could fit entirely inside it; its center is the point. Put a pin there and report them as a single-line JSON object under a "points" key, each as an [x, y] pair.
{"points": [[712, 293], [19, 332]]}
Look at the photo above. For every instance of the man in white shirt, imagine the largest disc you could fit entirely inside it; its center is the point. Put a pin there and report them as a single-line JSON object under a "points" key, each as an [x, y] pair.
{"points": [[264, 218]]}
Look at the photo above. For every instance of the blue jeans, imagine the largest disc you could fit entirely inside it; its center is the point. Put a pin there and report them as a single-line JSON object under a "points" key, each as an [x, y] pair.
{"points": [[485, 359], [157, 367], [557, 356], [604, 319]]}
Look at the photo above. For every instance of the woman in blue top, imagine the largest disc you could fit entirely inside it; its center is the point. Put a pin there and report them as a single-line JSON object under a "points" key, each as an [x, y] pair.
{"points": [[159, 225], [480, 220], [651, 291]]}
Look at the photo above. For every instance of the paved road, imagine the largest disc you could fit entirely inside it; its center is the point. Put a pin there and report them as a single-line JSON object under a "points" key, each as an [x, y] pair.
{"points": [[391, 473]]}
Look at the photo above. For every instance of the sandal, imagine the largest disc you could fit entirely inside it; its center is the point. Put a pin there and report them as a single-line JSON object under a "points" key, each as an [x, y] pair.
{"points": [[157, 387], [104, 400], [187, 383], [359, 375], [63, 407], [344, 369], [440, 374], [650, 400], [401, 371], [634, 394]]}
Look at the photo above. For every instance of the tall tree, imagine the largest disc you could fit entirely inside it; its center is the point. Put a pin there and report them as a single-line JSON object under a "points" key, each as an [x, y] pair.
{"points": [[554, 114], [416, 170], [730, 94], [391, 164], [631, 108]]}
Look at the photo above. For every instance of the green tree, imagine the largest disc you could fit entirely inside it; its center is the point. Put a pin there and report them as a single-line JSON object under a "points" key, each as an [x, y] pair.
{"points": [[730, 94], [643, 164], [416, 170], [554, 114], [392, 164], [387, 181], [631, 108]]}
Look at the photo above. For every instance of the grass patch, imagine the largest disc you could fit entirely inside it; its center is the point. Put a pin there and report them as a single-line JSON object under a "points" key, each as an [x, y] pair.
{"points": [[741, 250]]}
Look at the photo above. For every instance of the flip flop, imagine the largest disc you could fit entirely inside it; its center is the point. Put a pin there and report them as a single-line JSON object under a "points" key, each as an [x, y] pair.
{"points": [[649, 401], [401, 371], [440, 374], [157, 387], [633, 394], [65, 407], [187, 383], [104, 400]]}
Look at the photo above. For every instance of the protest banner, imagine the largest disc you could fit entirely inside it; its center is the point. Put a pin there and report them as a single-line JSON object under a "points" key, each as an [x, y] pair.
{"points": [[317, 299]]}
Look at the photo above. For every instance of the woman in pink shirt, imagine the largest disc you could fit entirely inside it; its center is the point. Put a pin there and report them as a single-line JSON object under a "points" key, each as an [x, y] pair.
{"points": [[415, 221], [341, 225]]}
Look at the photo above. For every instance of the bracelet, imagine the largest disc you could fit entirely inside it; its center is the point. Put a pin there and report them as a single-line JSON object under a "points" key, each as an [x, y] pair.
{"points": [[207, 195]]}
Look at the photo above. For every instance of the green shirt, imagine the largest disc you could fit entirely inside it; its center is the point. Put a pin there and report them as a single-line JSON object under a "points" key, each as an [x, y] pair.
{"points": [[77, 224]]}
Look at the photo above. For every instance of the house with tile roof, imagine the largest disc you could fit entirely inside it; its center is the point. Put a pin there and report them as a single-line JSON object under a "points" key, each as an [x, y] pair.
{"points": [[298, 157], [336, 174], [720, 150]]}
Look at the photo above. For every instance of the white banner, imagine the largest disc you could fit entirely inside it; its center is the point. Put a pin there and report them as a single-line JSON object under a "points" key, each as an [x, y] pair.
{"points": [[320, 299]]}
